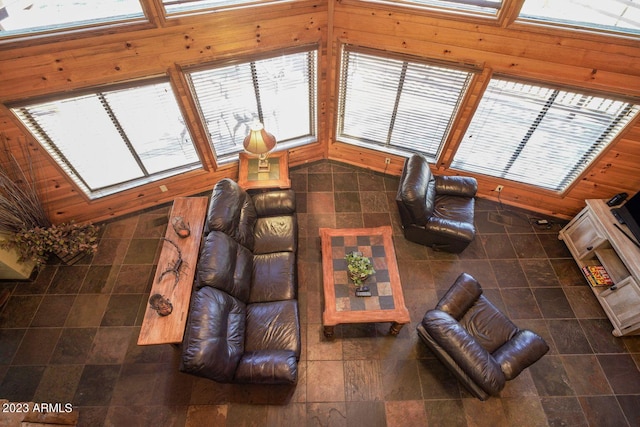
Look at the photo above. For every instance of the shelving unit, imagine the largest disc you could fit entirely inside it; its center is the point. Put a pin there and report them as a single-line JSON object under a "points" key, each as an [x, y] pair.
{"points": [[593, 239]]}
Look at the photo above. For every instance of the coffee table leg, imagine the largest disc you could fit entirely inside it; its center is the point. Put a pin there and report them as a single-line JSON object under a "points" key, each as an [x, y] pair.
{"points": [[328, 331], [395, 328]]}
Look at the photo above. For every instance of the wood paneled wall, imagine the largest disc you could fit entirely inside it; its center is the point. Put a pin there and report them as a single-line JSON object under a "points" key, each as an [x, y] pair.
{"points": [[165, 47], [595, 63], [39, 69]]}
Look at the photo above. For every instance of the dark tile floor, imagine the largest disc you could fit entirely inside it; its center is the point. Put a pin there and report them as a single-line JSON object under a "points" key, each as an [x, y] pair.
{"points": [[70, 336]]}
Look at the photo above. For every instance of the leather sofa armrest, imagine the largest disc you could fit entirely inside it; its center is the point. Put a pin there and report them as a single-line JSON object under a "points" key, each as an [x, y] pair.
{"points": [[465, 351], [456, 185], [278, 202], [524, 349], [268, 367]]}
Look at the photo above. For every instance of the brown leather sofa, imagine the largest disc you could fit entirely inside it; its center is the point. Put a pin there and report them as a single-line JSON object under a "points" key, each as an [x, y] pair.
{"points": [[478, 343], [244, 321], [436, 211]]}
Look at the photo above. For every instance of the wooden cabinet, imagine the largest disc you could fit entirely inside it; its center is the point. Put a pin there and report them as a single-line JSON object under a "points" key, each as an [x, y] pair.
{"points": [[593, 238], [584, 235]]}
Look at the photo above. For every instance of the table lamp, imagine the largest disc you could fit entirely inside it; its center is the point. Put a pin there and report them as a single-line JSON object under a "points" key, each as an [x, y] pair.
{"points": [[260, 142]]}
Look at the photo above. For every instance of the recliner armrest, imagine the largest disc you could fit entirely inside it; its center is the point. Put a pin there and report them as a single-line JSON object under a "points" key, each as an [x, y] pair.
{"points": [[456, 185], [268, 367], [524, 349], [278, 202], [470, 356]]}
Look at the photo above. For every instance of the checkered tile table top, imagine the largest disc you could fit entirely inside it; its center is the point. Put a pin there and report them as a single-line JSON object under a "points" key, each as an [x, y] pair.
{"points": [[379, 283]]}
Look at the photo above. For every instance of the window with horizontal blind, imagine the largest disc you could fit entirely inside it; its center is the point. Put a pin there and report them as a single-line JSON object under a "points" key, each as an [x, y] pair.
{"points": [[397, 105], [487, 7], [611, 15], [280, 92], [21, 17], [177, 6], [539, 135], [113, 140]]}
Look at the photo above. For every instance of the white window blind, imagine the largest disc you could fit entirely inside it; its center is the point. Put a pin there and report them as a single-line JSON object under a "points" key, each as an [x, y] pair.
{"points": [[397, 105], [176, 6], [21, 17], [611, 15], [539, 135], [481, 6], [111, 140], [280, 92]]}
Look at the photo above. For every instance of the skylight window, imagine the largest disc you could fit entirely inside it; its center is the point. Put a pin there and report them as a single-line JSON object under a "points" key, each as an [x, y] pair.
{"points": [[24, 17], [610, 15]]}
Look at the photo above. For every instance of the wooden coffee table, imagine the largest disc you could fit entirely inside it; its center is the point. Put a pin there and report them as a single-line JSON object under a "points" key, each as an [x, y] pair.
{"points": [[340, 303]]}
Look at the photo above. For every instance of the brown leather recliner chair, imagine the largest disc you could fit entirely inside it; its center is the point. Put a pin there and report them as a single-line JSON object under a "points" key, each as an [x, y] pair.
{"points": [[436, 211], [478, 343]]}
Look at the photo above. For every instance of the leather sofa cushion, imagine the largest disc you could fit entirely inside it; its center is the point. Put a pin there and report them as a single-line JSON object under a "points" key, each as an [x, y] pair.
{"points": [[231, 211], [273, 326], [417, 189], [274, 277], [464, 186], [458, 211], [226, 265], [279, 202], [214, 339], [268, 367], [275, 234], [488, 325]]}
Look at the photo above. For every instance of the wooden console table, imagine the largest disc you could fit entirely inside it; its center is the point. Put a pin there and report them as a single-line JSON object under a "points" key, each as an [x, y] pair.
{"points": [[176, 288]]}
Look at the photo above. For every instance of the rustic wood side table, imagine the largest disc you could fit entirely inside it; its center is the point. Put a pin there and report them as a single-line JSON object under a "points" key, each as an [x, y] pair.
{"points": [[176, 285], [250, 178]]}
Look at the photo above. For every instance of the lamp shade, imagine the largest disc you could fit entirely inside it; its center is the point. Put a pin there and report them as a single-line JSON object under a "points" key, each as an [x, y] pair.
{"points": [[259, 141]]}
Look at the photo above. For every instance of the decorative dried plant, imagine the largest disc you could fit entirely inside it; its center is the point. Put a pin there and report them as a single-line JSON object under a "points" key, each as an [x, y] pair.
{"points": [[20, 206]]}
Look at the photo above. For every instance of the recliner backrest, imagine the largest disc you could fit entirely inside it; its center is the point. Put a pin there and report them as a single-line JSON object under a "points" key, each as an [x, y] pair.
{"points": [[226, 265], [488, 325], [232, 212], [215, 335], [417, 189], [465, 302]]}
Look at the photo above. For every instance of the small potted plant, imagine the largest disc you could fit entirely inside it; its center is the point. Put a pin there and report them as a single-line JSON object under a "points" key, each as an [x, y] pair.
{"points": [[359, 269]]}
